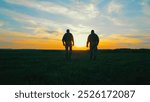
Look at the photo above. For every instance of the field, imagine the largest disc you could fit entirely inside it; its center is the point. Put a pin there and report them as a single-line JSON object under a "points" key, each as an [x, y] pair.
{"points": [[47, 67]]}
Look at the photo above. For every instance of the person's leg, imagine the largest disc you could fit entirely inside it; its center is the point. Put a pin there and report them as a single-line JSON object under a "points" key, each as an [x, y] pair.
{"points": [[91, 53], [70, 51], [95, 52], [66, 52]]}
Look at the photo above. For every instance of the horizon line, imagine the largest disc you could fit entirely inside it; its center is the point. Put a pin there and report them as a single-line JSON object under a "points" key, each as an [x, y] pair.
{"points": [[76, 49]]}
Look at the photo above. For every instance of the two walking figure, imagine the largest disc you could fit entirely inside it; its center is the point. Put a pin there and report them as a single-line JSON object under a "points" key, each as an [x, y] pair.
{"points": [[92, 42]]}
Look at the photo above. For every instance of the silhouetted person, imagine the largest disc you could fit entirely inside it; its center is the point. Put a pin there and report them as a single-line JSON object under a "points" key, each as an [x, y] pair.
{"points": [[68, 42], [93, 40]]}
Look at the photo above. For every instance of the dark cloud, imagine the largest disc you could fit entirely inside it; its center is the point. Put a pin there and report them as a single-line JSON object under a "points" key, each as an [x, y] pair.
{"points": [[56, 33]]}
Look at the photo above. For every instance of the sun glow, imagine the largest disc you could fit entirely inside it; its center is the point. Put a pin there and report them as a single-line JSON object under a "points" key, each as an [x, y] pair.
{"points": [[80, 40]]}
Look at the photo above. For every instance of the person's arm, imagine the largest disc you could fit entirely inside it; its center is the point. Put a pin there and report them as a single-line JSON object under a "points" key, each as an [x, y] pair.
{"points": [[97, 40], [87, 42], [63, 40], [72, 39]]}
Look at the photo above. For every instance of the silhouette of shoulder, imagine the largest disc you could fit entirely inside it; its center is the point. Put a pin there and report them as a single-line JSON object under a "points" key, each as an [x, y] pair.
{"points": [[67, 37], [93, 37]]}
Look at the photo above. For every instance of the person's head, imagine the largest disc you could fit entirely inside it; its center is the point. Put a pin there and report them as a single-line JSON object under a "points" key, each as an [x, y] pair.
{"points": [[92, 32], [68, 31]]}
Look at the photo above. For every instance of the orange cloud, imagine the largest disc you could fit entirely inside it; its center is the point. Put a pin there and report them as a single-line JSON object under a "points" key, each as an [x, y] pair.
{"points": [[119, 41], [28, 41], [37, 44], [44, 41]]}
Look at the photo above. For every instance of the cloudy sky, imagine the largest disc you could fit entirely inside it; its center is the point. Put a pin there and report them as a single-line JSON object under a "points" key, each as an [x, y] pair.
{"points": [[40, 24]]}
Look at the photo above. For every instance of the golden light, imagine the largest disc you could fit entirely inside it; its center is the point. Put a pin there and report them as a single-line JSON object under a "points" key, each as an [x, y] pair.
{"points": [[80, 40]]}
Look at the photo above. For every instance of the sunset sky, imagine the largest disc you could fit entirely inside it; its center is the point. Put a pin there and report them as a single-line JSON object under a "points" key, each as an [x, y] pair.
{"points": [[40, 24]]}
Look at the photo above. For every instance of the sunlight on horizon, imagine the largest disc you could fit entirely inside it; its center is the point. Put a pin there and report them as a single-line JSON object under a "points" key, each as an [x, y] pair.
{"points": [[80, 40]]}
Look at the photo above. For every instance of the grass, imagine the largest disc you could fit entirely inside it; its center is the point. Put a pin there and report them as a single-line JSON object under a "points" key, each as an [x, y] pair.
{"points": [[46, 67]]}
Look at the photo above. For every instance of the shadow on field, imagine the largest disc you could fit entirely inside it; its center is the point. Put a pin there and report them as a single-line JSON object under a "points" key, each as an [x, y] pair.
{"points": [[44, 67]]}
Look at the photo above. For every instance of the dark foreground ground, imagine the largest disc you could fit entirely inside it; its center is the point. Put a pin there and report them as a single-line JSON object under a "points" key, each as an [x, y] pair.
{"points": [[49, 67]]}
